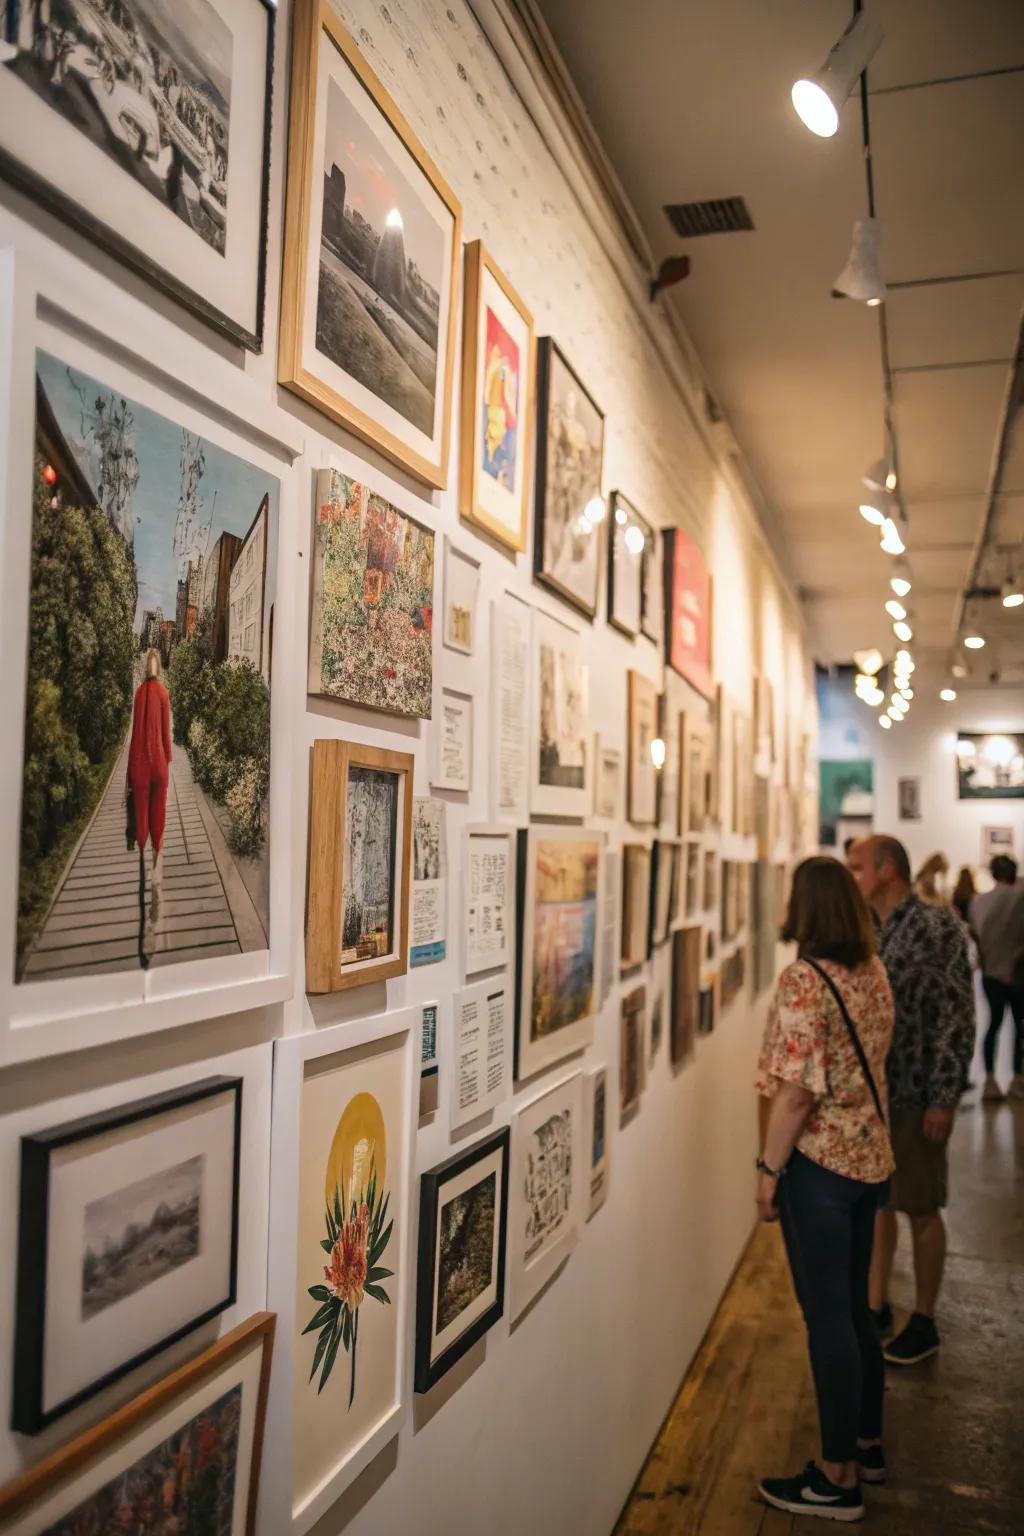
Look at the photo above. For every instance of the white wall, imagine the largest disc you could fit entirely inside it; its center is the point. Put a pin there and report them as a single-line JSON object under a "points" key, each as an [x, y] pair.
{"points": [[544, 1427]]}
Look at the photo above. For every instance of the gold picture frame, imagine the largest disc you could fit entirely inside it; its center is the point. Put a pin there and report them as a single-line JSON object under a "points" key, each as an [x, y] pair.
{"points": [[641, 728], [337, 914], [481, 271], [397, 290]]}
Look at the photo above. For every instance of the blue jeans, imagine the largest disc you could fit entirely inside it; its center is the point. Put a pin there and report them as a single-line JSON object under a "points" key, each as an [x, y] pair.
{"points": [[828, 1223]]}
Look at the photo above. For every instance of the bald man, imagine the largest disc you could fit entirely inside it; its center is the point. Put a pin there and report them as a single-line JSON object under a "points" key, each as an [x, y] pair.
{"points": [[924, 950]]}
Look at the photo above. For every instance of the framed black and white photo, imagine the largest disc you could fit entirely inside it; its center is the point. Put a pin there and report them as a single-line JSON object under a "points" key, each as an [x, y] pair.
{"points": [[908, 796], [127, 1241], [461, 1272], [627, 541], [559, 773], [570, 507], [145, 126]]}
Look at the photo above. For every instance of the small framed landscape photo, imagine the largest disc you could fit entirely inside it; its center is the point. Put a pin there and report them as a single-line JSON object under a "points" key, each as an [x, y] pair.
{"points": [[461, 1272]]}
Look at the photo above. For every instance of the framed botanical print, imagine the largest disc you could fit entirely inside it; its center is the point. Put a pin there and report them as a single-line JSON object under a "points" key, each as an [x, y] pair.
{"points": [[461, 1271], [345, 1106], [461, 599], [488, 898], [631, 1050], [548, 1187], [561, 873], [596, 1090], [371, 627], [559, 779], [147, 130], [360, 845], [636, 903], [570, 507], [136, 1211], [642, 728], [627, 543], [371, 251], [190, 1445], [687, 611], [499, 361], [685, 1011]]}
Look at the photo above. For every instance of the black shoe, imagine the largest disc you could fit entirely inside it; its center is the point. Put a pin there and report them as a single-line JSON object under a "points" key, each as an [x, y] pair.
{"points": [[811, 1493], [919, 1339], [871, 1463], [883, 1320]]}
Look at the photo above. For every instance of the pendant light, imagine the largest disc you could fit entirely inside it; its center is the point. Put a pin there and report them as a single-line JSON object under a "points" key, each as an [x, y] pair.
{"points": [[861, 278], [818, 98]]}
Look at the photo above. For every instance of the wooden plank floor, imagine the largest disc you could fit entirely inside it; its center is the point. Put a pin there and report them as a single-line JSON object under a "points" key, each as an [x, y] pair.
{"points": [[952, 1436]]}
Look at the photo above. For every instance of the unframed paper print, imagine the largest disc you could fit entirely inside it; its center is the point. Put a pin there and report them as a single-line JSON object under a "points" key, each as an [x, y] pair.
{"points": [[482, 1054], [547, 1187], [368, 899], [429, 1073], [571, 449], [429, 924], [559, 786], [510, 718], [489, 899], [461, 596], [455, 742]]}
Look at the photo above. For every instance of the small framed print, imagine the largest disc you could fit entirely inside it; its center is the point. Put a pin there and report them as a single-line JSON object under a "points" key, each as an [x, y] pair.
{"points": [[636, 903], [627, 543], [559, 783], [460, 1290], [607, 781], [360, 845], [692, 898], [499, 360], [127, 1241], [632, 1029], [454, 742], [150, 1454], [693, 775], [908, 799], [461, 598], [547, 1190], [596, 1090], [996, 840], [687, 611], [708, 1014], [642, 728], [570, 455], [663, 861], [685, 1011], [489, 898]]}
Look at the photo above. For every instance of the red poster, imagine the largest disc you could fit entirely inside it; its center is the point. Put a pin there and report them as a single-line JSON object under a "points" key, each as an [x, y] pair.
{"points": [[688, 611]]}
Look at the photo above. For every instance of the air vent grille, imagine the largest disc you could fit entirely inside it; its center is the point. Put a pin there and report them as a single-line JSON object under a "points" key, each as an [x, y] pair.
{"points": [[720, 216]]}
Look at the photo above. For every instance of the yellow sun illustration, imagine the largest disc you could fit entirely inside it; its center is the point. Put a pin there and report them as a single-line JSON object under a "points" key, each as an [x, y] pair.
{"points": [[359, 1140]]}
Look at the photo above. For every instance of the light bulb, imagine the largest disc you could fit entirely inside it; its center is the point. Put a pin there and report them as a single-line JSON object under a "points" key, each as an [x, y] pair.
{"points": [[871, 514], [958, 669], [893, 712], [814, 109], [885, 722], [974, 642], [890, 480], [900, 585], [634, 539], [947, 695], [903, 631], [895, 610], [1012, 596], [658, 752], [891, 541], [906, 693]]}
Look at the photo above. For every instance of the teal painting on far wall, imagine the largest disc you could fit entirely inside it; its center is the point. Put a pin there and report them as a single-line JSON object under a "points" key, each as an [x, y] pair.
{"points": [[846, 791]]}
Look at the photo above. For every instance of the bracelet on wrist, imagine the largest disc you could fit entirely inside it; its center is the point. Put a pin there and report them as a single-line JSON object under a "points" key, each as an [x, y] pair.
{"points": [[762, 1167]]}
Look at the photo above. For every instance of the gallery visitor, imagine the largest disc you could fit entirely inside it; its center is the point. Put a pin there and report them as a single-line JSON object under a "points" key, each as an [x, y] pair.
{"points": [[930, 880], [963, 893], [825, 1168], [924, 949], [997, 918], [149, 757]]}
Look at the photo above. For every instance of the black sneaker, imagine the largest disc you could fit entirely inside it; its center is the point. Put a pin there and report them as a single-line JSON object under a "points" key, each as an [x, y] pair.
{"points": [[919, 1339], [871, 1463], [811, 1493], [883, 1320]]}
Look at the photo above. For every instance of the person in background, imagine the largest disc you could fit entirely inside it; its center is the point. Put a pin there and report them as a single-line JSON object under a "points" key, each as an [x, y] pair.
{"points": [[847, 845], [963, 893], [827, 1158], [924, 949], [149, 757], [930, 881], [997, 918]]}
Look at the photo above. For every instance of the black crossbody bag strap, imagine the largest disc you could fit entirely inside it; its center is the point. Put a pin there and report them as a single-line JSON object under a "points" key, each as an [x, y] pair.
{"points": [[827, 979]]}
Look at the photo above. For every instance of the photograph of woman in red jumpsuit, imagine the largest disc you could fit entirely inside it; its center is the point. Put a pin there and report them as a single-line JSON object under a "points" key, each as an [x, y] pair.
{"points": [[149, 758]]}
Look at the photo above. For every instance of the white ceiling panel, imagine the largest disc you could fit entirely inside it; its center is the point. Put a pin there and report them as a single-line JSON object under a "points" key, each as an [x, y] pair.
{"points": [[954, 322], [946, 425], [928, 39], [950, 521]]}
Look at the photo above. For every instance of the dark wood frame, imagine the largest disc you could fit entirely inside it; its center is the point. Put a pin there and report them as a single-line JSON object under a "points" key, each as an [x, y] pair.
{"points": [[663, 853], [27, 1414], [26, 1489], [428, 1373], [633, 853], [77, 217], [616, 500], [652, 591], [684, 1014], [547, 346]]}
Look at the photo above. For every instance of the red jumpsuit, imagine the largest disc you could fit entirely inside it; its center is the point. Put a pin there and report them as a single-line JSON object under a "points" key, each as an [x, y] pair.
{"points": [[148, 758]]}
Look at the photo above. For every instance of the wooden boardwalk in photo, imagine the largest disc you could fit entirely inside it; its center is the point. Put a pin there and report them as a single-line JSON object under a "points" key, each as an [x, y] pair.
{"points": [[96, 921]]}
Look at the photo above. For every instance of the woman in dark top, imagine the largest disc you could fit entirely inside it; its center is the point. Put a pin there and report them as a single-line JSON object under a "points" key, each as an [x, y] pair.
{"points": [[149, 759]]}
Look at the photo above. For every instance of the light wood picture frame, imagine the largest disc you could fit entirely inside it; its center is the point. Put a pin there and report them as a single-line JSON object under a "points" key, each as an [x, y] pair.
{"points": [[641, 727], [339, 823], [391, 386], [636, 904], [498, 404]]}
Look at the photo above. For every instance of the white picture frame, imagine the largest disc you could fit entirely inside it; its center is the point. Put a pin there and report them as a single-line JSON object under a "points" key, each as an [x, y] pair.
{"points": [[460, 599], [488, 898], [559, 769], [360, 1047], [531, 1264], [481, 1052], [510, 714], [607, 781], [453, 757]]}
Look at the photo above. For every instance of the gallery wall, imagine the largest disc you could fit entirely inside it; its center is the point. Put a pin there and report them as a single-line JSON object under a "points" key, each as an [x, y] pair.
{"points": [[543, 1425]]}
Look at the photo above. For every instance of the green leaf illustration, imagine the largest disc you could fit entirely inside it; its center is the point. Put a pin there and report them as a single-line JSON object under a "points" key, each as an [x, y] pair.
{"points": [[319, 1293], [377, 1294], [329, 1359], [325, 1314], [321, 1345], [379, 1274]]}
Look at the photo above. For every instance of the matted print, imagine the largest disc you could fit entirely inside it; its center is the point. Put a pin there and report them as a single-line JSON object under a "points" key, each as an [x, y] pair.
{"points": [[627, 544], [488, 897], [642, 728], [371, 248], [596, 1089], [631, 1050], [990, 766], [687, 611], [548, 1187], [636, 904], [607, 781], [693, 775], [996, 840], [570, 506], [685, 1015], [908, 799], [559, 782], [461, 599], [371, 629], [161, 112]]}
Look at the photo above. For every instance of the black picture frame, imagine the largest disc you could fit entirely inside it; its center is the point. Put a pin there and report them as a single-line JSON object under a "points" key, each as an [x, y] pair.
{"points": [[547, 347], [616, 501], [426, 1372], [27, 1413], [79, 218], [652, 597]]}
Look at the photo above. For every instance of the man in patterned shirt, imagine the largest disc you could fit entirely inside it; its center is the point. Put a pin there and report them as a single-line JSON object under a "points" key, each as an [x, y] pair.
{"points": [[924, 949]]}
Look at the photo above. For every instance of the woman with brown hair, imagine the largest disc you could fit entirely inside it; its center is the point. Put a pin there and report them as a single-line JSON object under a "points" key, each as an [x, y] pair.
{"points": [[149, 758], [825, 1167]]}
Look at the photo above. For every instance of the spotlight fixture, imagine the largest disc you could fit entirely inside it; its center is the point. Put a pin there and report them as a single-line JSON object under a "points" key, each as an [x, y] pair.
{"points": [[885, 722], [1013, 593], [895, 610], [900, 585], [870, 662], [893, 712], [892, 544], [870, 513], [861, 278], [819, 98], [958, 669], [947, 695], [903, 631], [974, 642], [906, 693], [880, 477]]}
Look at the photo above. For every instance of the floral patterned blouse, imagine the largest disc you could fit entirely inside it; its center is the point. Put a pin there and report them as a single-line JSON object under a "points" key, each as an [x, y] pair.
{"points": [[806, 1042]]}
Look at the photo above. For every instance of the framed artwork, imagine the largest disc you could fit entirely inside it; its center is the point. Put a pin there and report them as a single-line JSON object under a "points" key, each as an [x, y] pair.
{"points": [[548, 1189], [663, 857], [677, 891], [652, 594], [994, 841], [627, 544], [428, 933], [687, 611], [171, 144], [908, 799], [631, 1050], [488, 898], [990, 766], [510, 718], [371, 627], [460, 1288], [708, 1016], [765, 925], [461, 599], [596, 1090], [846, 794], [561, 892], [710, 881], [636, 904], [764, 722], [559, 784], [693, 769], [685, 1013], [570, 455], [733, 975], [454, 751], [642, 728], [372, 240], [742, 777], [344, 1114], [430, 1076], [191, 1445], [657, 1026], [693, 901], [499, 361], [360, 845], [607, 781], [136, 1210], [481, 1075], [721, 734]]}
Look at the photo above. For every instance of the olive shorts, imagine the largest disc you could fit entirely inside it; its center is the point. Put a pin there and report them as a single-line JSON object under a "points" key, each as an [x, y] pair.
{"points": [[920, 1183]]}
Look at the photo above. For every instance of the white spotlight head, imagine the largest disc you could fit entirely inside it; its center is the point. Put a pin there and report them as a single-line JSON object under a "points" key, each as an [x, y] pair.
{"points": [[870, 662], [974, 642], [902, 631], [1013, 594], [893, 712], [890, 480], [885, 722], [861, 278], [880, 477], [891, 542], [947, 695], [895, 610], [818, 99], [871, 514], [906, 693], [900, 585], [958, 669]]}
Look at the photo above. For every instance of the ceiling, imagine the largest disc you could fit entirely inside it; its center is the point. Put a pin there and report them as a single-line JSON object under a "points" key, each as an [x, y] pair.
{"points": [[690, 99]]}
